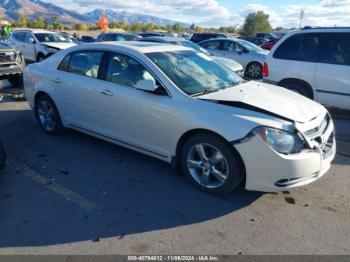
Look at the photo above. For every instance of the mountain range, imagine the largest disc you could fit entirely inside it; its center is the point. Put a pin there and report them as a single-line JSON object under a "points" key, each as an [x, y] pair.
{"points": [[10, 9]]}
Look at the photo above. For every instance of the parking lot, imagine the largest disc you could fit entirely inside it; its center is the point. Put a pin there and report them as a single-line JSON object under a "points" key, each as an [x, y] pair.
{"points": [[75, 194]]}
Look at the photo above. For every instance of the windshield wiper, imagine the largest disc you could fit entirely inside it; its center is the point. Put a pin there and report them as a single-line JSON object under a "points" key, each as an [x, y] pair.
{"points": [[206, 91]]}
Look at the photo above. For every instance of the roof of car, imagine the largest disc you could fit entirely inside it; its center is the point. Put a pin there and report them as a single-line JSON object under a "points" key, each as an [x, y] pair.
{"points": [[117, 33], [143, 47], [35, 31], [163, 39]]}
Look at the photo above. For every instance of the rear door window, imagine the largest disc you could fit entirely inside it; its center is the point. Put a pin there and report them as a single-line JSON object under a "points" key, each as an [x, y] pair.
{"points": [[335, 49], [213, 45], [85, 63], [301, 47]]}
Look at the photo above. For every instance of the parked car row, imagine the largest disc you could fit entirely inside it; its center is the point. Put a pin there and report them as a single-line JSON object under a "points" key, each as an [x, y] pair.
{"points": [[308, 61]]}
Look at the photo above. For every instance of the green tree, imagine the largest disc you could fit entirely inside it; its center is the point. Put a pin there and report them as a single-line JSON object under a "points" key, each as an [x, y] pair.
{"points": [[176, 28], [39, 23], [56, 24], [22, 20], [198, 29], [279, 28], [80, 27], [135, 27], [256, 22], [149, 27]]}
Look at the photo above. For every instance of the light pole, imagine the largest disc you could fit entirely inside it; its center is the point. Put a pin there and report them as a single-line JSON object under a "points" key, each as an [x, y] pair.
{"points": [[301, 16]]}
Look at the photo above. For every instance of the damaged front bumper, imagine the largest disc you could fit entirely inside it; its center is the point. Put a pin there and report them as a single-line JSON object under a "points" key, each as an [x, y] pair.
{"points": [[269, 171]]}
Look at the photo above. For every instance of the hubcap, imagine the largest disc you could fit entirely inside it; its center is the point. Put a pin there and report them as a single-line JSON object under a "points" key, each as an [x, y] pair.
{"points": [[254, 70], [46, 116], [207, 165]]}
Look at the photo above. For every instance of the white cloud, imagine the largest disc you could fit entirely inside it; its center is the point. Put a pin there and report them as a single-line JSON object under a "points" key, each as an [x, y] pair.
{"points": [[212, 13]]}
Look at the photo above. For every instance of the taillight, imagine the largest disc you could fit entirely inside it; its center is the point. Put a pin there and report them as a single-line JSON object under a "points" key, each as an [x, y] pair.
{"points": [[265, 70]]}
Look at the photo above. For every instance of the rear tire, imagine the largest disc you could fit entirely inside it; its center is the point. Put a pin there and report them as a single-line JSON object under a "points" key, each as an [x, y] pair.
{"points": [[218, 169], [48, 116], [254, 70], [298, 87]]}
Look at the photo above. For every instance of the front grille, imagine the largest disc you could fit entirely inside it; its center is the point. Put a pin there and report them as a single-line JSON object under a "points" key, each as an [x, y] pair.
{"points": [[7, 56], [322, 137], [328, 146]]}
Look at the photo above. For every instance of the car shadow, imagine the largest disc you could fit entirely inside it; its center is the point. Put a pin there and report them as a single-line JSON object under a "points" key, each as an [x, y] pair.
{"points": [[131, 193]]}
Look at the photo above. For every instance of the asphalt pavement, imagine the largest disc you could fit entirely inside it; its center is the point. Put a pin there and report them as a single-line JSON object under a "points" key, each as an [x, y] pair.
{"points": [[76, 194]]}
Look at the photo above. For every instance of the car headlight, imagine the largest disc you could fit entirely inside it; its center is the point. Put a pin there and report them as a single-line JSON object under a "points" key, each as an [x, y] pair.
{"points": [[281, 141]]}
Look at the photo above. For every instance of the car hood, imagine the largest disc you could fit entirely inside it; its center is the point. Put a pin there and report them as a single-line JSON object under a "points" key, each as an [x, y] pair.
{"points": [[268, 99], [59, 46]]}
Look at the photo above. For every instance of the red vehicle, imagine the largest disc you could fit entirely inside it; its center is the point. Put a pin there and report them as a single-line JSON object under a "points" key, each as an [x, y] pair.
{"points": [[268, 45]]}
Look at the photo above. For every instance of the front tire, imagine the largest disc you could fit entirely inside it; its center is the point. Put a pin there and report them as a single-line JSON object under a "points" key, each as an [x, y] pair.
{"points": [[48, 116], [211, 164]]}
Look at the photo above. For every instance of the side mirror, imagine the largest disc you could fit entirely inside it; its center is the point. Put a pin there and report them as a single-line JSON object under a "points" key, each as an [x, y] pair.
{"points": [[31, 40], [147, 85]]}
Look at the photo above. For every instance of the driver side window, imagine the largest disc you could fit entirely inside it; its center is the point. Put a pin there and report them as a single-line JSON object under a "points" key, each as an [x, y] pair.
{"points": [[124, 70]]}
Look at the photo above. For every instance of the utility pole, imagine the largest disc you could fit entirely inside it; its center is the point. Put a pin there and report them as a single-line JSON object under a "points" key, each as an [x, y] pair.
{"points": [[301, 16]]}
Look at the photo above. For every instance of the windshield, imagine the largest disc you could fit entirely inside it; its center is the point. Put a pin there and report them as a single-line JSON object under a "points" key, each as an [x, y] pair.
{"points": [[51, 37], [191, 45], [194, 73], [116, 37], [250, 46]]}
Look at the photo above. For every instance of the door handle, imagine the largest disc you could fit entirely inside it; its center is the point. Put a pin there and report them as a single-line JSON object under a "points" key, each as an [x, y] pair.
{"points": [[106, 92], [56, 80]]}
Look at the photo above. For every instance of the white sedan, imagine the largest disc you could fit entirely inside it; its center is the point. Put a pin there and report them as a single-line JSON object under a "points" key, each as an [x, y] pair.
{"points": [[180, 106]]}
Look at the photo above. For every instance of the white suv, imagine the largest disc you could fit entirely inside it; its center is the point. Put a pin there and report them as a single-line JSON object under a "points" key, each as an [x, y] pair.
{"points": [[37, 44], [314, 62]]}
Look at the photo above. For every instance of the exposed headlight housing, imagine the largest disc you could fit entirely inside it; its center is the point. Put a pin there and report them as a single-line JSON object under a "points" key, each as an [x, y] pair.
{"points": [[280, 140]]}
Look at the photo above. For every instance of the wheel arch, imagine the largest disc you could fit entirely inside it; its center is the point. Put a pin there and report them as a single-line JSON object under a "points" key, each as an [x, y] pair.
{"points": [[297, 80], [40, 94], [190, 133], [39, 54]]}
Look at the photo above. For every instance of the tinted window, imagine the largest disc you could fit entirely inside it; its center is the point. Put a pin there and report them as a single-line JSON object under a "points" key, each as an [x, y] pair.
{"points": [[116, 37], [51, 37], [335, 49], [301, 47], [20, 36], [124, 70], [213, 45], [85, 63]]}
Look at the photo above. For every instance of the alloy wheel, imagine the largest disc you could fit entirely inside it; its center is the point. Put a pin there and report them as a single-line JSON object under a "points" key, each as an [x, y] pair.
{"points": [[207, 165], [254, 71], [46, 115]]}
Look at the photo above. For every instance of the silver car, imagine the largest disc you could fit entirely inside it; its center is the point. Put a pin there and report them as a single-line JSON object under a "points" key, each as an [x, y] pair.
{"points": [[37, 44], [229, 63], [249, 55]]}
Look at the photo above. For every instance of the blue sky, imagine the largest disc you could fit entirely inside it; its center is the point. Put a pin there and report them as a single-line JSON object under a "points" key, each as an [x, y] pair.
{"points": [[217, 13]]}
